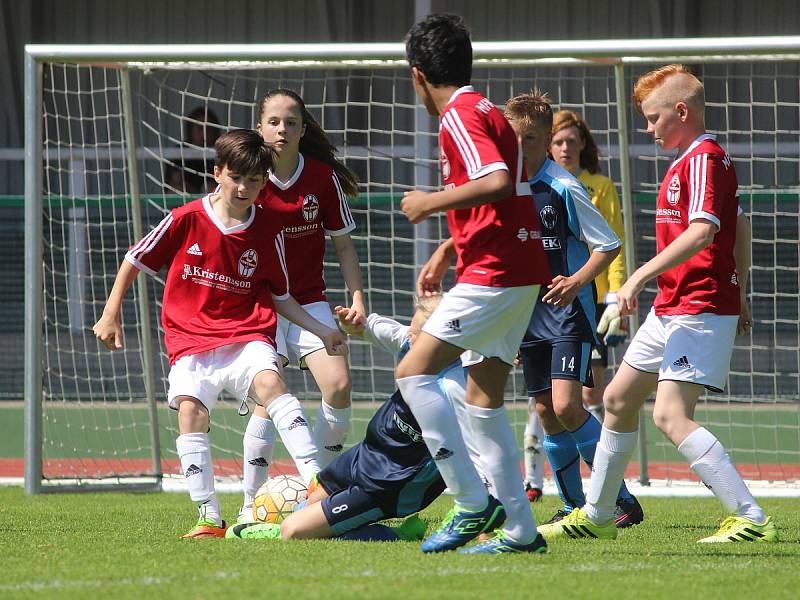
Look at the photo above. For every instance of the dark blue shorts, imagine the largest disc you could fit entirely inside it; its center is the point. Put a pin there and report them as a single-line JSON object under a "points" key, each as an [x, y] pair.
{"points": [[351, 508], [566, 359], [364, 486]]}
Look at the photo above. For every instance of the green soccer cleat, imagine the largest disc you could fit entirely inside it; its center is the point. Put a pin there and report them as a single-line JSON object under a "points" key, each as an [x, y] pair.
{"points": [[576, 525], [500, 544], [206, 528], [740, 529], [254, 531], [412, 529]]}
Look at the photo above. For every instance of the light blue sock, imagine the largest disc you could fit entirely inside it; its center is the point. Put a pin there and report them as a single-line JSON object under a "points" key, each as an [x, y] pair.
{"points": [[586, 438], [566, 464]]}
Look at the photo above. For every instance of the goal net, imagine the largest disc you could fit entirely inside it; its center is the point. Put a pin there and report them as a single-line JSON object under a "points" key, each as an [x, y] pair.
{"points": [[121, 141]]}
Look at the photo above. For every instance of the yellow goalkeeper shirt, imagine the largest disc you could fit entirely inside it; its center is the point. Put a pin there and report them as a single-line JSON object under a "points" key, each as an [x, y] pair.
{"points": [[604, 196]]}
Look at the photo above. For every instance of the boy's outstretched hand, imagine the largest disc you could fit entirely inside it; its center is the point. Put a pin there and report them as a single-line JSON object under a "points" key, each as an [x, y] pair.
{"points": [[351, 323]]}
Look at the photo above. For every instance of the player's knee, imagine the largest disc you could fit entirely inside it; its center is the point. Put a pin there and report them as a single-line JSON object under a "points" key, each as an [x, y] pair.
{"points": [[339, 389], [615, 403], [669, 424], [268, 385]]}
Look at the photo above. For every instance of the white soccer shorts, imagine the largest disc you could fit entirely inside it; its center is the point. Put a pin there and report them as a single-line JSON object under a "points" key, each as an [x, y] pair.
{"points": [[488, 320], [295, 343], [692, 348], [232, 368]]}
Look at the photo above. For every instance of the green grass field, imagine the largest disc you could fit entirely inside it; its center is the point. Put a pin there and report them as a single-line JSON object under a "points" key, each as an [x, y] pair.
{"points": [[127, 546]]}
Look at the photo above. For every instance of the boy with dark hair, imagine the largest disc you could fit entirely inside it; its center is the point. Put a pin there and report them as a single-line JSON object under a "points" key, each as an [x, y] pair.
{"points": [[501, 264], [226, 279]]}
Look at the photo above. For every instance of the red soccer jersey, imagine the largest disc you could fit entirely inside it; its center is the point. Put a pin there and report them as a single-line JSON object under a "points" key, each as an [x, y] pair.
{"points": [[700, 184], [498, 244], [221, 280], [311, 204]]}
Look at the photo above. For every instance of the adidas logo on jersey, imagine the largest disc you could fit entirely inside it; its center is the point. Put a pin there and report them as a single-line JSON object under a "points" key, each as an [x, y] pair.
{"points": [[193, 470], [298, 422], [195, 250], [682, 362], [443, 453], [454, 325], [259, 461]]}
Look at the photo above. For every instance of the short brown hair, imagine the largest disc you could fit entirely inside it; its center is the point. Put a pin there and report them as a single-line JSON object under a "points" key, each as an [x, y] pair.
{"points": [[693, 94], [530, 109], [243, 151]]}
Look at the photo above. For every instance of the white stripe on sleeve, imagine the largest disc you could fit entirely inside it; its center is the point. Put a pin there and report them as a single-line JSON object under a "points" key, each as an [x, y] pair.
{"points": [[344, 207], [467, 138], [463, 149], [281, 249], [148, 242]]}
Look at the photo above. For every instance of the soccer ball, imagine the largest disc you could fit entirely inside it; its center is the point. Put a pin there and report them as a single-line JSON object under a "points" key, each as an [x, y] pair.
{"points": [[276, 499]]}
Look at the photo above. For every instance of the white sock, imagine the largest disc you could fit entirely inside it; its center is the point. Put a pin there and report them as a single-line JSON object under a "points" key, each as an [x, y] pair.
{"points": [[611, 458], [258, 445], [292, 425], [457, 395], [533, 451], [498, 447], [330, 432], [195, 454], [713, 466], [442, 436]]}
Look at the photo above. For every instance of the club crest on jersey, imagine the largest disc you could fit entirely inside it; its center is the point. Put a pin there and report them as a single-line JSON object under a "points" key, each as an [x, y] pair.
{"points": [[310, 208], [248, 262], [674, 190], [549, 217], [445, 166]]}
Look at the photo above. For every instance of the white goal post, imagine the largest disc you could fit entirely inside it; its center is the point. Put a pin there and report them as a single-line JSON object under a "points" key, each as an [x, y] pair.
{"points": [[106, 154]]}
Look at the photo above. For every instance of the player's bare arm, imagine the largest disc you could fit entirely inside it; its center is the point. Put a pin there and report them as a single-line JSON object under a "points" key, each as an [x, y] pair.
{"points": [[332, 338], [564, 289], [351, 323], [418, 205], [351, 272], [697, 236], [108, 329], [742, 252], [429, 281]]}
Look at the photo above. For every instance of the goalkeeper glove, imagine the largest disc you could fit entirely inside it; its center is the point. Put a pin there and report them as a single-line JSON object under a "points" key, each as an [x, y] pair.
{"points": [[612, 325]]}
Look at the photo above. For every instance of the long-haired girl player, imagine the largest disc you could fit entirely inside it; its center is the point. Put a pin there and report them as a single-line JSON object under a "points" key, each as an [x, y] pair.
{"points": [[308, 187]]}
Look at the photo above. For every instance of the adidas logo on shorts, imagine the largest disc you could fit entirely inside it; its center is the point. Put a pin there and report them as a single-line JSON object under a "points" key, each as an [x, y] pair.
{"points": [[195, 249], [193, 470], [298, 422], [682, 362], [454, 325], [443, 453], [259, 461]]}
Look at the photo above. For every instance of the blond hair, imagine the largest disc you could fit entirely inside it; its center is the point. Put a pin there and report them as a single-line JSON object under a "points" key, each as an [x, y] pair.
{"points": [[530, 109], [683, 87], [427, 304]]}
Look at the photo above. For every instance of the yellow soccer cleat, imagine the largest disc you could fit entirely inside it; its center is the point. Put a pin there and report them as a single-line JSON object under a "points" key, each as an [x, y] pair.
{"points": [[576, 525], [740, 529]]}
